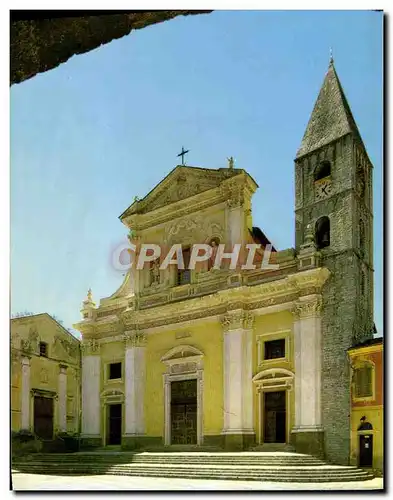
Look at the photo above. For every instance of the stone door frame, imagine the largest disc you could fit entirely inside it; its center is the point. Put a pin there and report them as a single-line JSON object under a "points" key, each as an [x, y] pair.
{"points": [[274, 380], [183, 363], [108, 397]]}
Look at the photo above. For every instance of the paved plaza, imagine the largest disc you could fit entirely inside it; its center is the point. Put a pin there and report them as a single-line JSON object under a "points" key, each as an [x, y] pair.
{"points": [[37, 482]]}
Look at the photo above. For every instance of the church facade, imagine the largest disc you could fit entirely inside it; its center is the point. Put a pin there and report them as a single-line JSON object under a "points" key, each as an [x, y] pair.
{"points": [[238, 357], [45, 377]]}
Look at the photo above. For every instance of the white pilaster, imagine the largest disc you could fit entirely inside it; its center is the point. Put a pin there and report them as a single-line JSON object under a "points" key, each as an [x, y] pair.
{"points": [[307, 337], [238, 386], [25, 394], [91, 409], [236, 223], [247, 384], [167, 410], [62, 401], [135, 375], [233, 380]]}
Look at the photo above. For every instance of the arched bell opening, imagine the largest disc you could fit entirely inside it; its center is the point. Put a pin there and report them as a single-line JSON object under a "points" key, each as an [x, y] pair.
{"points": [[322, 232]]}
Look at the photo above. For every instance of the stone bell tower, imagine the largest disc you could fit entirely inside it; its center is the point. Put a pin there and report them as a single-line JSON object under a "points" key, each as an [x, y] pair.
{"points": [[333, 179]]}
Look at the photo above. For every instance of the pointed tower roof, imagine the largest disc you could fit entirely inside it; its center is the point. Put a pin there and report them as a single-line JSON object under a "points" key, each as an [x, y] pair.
{"points": [[331, 117]]}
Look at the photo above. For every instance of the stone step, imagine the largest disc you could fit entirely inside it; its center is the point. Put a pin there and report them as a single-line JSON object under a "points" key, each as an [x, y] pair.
{"points": [[273, 447], [262, 466], [179, 457], [315, 475], [248, 463], [299, 468]]}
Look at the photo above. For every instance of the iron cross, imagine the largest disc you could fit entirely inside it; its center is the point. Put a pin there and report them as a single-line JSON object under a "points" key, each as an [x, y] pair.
{"points": [[183, 152]]}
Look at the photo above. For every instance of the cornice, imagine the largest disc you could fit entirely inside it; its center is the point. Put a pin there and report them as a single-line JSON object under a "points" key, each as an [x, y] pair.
{"points": [[228, 301], [232, 191], [181, 208]]}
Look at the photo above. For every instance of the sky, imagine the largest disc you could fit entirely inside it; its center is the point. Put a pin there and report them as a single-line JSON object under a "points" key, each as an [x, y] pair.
{"points": [[106, 126]]}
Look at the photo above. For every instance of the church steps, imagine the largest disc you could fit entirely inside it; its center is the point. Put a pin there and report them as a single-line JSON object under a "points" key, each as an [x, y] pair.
{"points": [[220, 460], [274, 467], [197, 473]]}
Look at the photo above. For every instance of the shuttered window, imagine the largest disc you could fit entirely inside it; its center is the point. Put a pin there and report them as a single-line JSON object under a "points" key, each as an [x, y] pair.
{"points": [[363, 382]]}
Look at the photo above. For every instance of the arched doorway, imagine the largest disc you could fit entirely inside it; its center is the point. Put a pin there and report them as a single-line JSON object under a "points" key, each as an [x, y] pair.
{"points": [[365, 443]]}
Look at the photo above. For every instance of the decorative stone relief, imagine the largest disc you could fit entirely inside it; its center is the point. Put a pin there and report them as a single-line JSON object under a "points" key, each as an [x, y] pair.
{"points": [[44, 376], [134, 339], [15, 340], [182, 188], [307, 308], [238, 319], [26, 346], [189, 225], [15, 355], [183, 368], [90, 347], [182, 335], [30, 344], [62, 345]]}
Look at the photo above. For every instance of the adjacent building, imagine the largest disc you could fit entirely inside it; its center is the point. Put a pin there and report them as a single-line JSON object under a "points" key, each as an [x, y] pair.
{"points": [[366, 361], [234, 358], [45, 377]]}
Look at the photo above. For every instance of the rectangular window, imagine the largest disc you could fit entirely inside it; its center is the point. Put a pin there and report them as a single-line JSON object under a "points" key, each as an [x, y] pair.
{"points": [[363, 382], [44, 349], [275, 349], [114, 371]]}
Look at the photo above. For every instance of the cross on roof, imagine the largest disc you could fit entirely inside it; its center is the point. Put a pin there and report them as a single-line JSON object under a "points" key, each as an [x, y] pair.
{"points": [[182, 154]]}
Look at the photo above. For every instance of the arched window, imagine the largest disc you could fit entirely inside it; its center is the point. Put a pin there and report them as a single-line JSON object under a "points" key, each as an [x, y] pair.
{"points": [[322, 232], [322, 170]]}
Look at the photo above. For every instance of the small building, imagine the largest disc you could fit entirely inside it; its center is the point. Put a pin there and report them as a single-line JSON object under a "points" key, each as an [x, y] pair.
{"points": [[45, 377], [366, 361]]}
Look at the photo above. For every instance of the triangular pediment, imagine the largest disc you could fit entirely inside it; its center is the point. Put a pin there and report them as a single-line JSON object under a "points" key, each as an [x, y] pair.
{"points": [[181, 352], [181, 183]]}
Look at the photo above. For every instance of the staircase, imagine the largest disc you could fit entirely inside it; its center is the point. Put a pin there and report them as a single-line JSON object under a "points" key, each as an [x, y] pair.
{"points": [[246, 466]]}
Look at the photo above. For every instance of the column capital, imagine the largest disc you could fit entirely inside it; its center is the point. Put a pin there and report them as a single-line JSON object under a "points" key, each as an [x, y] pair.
{"points": [[62, 368], [239, 319], [234, 192], [134, 338], [90, 347], [311, 306], [25, 360]]}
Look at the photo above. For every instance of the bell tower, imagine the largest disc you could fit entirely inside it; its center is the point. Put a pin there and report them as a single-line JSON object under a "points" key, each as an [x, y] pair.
{"points": [[333, 183]]}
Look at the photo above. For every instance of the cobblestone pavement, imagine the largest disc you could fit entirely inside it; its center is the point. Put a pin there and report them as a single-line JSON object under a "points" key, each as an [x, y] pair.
{"points": [[59, 483]]}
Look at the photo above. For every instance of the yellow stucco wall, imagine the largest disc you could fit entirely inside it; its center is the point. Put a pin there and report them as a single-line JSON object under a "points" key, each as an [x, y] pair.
{"points": [[44, 371], [112, 352], [369, 407], [208, 338], [269, 327], [374, 414], [15, 395]]}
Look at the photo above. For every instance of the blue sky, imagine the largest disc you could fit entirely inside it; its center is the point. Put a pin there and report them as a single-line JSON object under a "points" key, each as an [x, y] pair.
{"points": [[106, 126]]}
